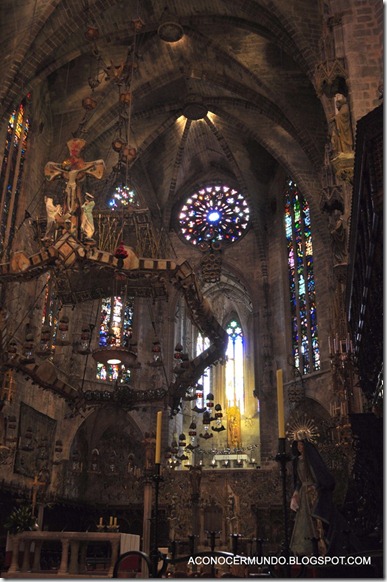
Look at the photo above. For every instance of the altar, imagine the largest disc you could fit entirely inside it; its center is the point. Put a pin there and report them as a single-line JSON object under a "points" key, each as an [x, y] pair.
{"points": [[74, 561]]}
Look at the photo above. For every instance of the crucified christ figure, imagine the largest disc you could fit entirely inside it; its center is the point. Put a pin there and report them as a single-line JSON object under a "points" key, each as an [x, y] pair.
{"points": [[73, 170]]}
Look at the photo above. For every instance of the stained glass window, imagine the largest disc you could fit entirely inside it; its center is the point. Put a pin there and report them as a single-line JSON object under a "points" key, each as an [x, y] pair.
{"points": [[123, 196], [116, 322], [214, 213], [306, 351], [12, 171], [234, 366]]}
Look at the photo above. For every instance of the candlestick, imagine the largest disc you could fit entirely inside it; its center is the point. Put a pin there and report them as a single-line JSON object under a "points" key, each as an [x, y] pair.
{"points": [[111, 520], [115, 521], [158, 437], [100, 521], [280, 405]]}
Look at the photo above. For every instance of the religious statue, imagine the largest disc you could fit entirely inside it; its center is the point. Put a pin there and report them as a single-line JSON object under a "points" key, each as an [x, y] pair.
{"points": [[341, 133], [73, 170], [54, 212], [87, 220], [234, 427], [338, 233]]}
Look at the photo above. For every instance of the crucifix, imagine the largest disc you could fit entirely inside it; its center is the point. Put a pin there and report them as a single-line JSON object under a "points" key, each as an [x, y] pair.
{"points": [[34, 492], [73, 170]]}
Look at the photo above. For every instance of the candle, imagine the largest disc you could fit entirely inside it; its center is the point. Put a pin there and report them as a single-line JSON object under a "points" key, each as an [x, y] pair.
{"points": [[115, 521], [111, 520], [280, 404], [158, 437], [100, 521]]}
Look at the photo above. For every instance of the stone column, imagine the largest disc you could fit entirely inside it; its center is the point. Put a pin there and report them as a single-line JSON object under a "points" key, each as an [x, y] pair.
{"points": [[65, 555], [149, 443], [73, 569], [26, 556], [36, 562], [195, 475], [14, 566]]}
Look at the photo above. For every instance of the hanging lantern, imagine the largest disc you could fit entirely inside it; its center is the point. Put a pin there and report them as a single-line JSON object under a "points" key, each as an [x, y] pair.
{"points": [[92, 33], [88, 103], [182, 440], [168, 453], [199, 391], [210, 400], [62, 338], [218, 419], [28, 357], [12, 348], [137, 23], [84, 345], [118, 144], [192, 430], [218, 411], [126, 97], [44, 349], [156, 353], [174, 447], [58, 446], [178, 351], [128, 153]]}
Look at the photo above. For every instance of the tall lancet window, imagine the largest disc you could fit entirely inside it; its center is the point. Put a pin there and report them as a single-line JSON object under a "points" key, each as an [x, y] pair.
{"points": [[115, 324], [11, 172], [235, 366], [305, 345]]}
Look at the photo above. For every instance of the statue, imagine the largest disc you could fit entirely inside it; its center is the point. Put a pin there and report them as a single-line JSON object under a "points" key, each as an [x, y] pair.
{"points": [[73, 170], [53, 215], [339, 237], [234, 427], [87, 220], [341, 134]]}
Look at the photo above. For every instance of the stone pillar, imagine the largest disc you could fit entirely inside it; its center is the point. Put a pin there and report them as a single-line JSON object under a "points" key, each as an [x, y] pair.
{"points": [[149, 443], [65, 555], [14, 566], [26, 556], [36, 562], [195, 475], [73, 569]]}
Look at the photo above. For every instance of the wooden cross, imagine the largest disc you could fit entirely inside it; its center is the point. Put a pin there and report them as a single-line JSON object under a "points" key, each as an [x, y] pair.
{"points": [[34, 492], [73, 170]]}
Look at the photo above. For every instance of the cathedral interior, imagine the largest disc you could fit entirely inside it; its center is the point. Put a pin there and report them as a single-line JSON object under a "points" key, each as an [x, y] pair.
{"points": [[148, 147]]}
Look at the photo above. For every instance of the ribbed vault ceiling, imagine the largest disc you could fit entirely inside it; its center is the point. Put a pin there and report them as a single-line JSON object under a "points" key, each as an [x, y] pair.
{"points": [[248, 63]]}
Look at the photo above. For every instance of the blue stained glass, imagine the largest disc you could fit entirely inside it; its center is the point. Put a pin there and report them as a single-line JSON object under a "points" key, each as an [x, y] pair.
{"points": [[123, 196], [214, 213], [301, 279], [111, 323]]}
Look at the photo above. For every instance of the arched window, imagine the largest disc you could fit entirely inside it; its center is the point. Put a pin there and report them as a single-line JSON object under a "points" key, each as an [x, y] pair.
{"points": [[305, 345], [123, 197], [116, 322], [12, 171], [234, 366]]}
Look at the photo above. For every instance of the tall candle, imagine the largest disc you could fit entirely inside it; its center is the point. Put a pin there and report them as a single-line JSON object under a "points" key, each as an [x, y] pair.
{"points": [[280, 405], [158, 436], [100, 521]]}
